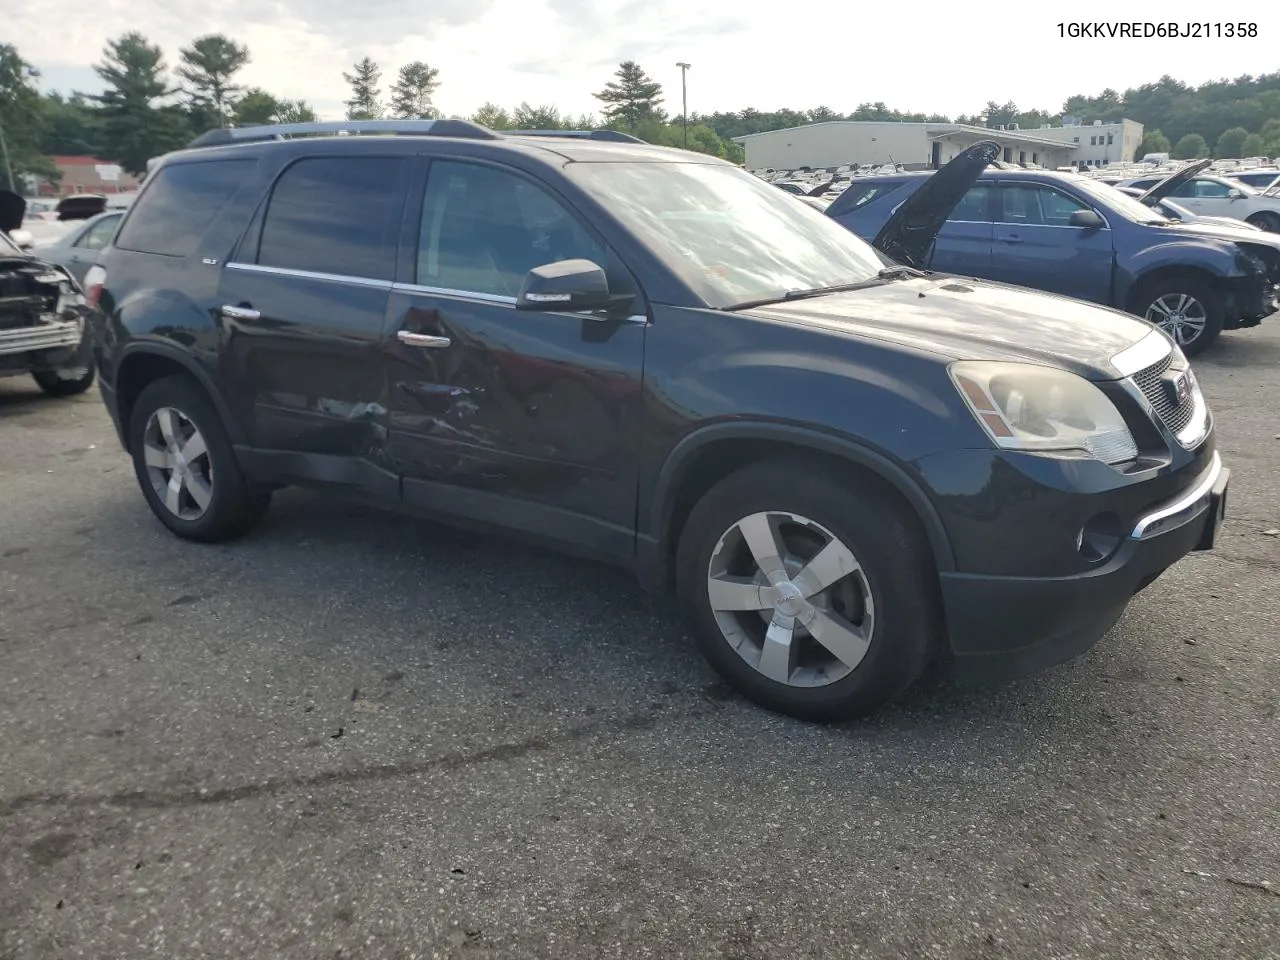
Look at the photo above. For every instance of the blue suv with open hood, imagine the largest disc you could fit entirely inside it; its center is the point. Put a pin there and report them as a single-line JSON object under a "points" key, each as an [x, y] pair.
{"points": [[1071, 235]]}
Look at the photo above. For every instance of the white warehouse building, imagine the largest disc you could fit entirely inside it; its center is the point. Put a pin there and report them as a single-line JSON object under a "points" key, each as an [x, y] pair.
{"points": [[1097, 144], [925, 145]]}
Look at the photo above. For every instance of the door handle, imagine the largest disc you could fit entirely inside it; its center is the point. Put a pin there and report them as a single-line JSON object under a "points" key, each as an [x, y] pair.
{"points": [[1012, 239], [421, 339], [239, 313]]}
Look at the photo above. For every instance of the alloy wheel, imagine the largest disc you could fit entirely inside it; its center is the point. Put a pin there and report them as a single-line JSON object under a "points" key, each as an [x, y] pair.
{"points": [[1180, 315], [178, 463], [791, 599]]}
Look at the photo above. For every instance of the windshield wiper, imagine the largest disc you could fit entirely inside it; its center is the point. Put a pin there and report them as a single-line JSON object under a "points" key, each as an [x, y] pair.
{"points": [[900, 272]]}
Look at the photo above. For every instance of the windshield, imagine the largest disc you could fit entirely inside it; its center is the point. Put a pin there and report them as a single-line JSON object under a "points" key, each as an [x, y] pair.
{"points": [[1119, 201], [732, 237]]}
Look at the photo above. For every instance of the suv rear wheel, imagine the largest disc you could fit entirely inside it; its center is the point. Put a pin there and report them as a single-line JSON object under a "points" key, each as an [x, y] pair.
{"points": [[185, 465], [1187, 309], [809, 592]]}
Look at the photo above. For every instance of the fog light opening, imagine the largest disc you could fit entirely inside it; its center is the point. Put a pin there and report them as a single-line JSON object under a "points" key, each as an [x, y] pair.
{"points": [[1099, 538]]}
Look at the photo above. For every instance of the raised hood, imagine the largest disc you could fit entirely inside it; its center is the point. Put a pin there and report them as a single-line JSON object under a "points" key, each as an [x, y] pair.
{"points": [[13, 209], [1171, 183], [975, 320], [909, 234]]}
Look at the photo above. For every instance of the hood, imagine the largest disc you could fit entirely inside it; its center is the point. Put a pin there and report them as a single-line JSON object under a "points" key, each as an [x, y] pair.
{"points": [[13, 210], [909, 234], [975, 320], [1220, 228], [81, 207], [1171, 183]]}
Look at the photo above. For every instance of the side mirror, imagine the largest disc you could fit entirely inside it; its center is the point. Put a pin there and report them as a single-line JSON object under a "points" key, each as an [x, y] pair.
{"points": [[23, 239], [1234, 194], [1089, 219], [569, 285]]}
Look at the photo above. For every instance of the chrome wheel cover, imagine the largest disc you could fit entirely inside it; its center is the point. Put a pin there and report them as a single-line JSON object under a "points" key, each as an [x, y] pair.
{"points": [[178, 463], [1180, 315], [791, 599]]}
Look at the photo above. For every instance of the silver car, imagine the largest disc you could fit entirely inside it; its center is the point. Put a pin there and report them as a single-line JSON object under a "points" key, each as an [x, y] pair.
{"points": [[77, 248]]}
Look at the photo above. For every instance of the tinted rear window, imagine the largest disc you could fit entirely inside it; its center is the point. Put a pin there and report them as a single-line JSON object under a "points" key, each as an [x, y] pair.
{"points": [[179, 203], [337, 215]]}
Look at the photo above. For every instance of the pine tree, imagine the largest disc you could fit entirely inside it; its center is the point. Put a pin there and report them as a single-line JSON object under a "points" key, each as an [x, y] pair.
{"points": [[411, 95], [365, 102], [208, 66], [133, 128], [633, 98]]}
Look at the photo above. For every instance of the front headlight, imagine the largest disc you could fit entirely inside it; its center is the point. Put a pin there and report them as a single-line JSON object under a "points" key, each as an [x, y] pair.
{"points": [[1023, 406]]}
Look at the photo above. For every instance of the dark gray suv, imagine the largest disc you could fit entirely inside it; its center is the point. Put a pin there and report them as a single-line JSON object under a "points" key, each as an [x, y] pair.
{"points": [[848, 468]]}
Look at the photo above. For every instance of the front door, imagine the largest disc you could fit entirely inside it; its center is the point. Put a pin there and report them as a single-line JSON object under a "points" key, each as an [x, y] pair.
{"points": [[1036, 246], [525, 418], [302, 306]]}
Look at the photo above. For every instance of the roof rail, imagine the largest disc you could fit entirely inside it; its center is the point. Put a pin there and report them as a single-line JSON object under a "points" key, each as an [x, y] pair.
{"points": [[464, 129], [616, 136]]}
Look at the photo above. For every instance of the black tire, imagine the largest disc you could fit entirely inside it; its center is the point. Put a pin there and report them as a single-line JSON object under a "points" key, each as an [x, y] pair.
{"points": [[1269, 222], [1144, 305], [233, 507], [899, 575], [64, 383]]}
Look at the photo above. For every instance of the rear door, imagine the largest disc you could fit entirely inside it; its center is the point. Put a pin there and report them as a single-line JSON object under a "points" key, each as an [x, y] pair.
{"points": [[302, 304], [83, 252], [1036, 245], [964, 242]]}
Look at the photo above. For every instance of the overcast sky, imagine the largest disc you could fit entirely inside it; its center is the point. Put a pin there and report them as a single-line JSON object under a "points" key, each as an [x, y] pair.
{"points": [[743, 54]]}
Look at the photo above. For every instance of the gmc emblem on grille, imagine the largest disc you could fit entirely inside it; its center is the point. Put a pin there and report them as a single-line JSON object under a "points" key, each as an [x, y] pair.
{"points": [[1178, 388]]}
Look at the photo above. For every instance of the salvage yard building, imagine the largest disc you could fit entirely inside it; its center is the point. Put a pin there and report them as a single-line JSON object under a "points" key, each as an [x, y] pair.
{"points": [[917, 145]]}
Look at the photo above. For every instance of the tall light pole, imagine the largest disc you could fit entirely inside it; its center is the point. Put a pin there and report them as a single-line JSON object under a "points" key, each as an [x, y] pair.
{"points": [[684, 100]]}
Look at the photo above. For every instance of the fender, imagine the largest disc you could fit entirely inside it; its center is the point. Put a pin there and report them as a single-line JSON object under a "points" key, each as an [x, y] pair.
{"points": [[155, 346], [1217, 257], [681, 456]]}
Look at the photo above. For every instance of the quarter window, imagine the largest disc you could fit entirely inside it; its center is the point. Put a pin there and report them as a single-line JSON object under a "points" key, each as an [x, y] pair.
{"points": [[96, 237], [483, 229], [335, 215], [1036, 205], [178, 205]]}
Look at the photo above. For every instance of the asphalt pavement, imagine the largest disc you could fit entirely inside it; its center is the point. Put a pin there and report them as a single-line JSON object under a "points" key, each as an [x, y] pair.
{"points": [[353, 735]]}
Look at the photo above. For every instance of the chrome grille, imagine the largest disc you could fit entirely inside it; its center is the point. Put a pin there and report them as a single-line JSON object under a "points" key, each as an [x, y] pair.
{"points": [[1150, 381]]}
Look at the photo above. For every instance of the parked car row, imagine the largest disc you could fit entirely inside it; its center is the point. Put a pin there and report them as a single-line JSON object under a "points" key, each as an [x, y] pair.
{"points": [[1073, 235], [848, 468]]}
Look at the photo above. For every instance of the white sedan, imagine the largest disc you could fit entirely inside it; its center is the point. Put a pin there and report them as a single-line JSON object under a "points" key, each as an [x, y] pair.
{"points": [[1206, 194]]}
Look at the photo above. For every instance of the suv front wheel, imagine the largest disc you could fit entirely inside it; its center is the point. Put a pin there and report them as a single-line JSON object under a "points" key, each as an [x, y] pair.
{"points": [[185, 464], [810, 592]]}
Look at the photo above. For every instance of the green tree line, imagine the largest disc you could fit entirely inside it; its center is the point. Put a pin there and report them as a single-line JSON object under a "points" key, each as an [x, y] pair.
{"points": [[146, 108]]}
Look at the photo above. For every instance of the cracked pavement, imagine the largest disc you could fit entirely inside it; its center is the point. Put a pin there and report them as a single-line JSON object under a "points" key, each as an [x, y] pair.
{"points": [[356, 735]]}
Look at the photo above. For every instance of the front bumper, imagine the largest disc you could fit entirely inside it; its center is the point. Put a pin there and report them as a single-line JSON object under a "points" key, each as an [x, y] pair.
{"points": [[43, 336], [1002, 627]]}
